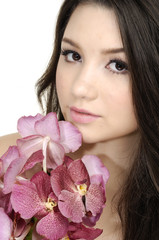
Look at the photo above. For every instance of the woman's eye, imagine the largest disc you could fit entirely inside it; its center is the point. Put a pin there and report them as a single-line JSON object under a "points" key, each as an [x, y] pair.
{"points": [[117, 66], [71, 56]]}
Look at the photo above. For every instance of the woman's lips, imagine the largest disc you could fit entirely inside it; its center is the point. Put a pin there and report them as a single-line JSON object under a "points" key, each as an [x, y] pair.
{"points": [[82, 116]]}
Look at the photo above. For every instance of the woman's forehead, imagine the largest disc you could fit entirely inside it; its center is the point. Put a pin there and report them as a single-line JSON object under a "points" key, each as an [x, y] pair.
{"points": [[91, 24]]}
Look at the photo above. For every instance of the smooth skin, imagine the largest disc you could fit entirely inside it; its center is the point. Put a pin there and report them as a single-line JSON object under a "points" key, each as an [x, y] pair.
{"points": [[88, 77]]}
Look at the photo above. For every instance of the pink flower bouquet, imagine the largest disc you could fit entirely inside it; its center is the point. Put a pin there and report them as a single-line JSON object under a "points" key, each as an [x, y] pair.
{"points": [[44, 194]]}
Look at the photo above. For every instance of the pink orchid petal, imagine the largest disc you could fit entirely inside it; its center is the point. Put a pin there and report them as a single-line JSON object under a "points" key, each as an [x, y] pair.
{"points": [[24, 233], [70, 137], [27, 146], [22, 228], [60, 180], [71, 206], [25, 200], [43, 185], [10, 176], [6, 225], [67, 161], [5, 202], [78, 172], [48, 126], [56, 154], [26, 125], [91, 220], [53, 226], [53, 197], [36, 157], [20, 225], [95, 199], [79, 231], [51, 163], [11, 154], [95, 167]]}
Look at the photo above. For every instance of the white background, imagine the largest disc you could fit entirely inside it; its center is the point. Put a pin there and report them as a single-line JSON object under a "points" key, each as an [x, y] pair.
{"points": [[26, 41]]}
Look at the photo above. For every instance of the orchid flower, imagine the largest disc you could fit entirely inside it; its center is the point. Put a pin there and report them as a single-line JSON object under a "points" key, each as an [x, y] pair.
{"points": [[10, 230], [36, 198], [5, 201], [8, 163], [9, 156], [79, 231], [77, 196], [58, 202], [13, 166], [99, 175], [47, 134]]}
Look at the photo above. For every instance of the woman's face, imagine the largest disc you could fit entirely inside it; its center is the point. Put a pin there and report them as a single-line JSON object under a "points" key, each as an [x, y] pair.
{"points": [[92, 79]]}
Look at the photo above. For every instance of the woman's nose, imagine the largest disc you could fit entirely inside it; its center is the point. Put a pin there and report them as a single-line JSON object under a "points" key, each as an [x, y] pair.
{"points": [[85, 83]]}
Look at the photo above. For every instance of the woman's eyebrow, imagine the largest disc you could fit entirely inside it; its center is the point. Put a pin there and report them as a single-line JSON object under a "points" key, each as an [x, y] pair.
{"points": [[112, 50], [104, 51], [69, 41]]}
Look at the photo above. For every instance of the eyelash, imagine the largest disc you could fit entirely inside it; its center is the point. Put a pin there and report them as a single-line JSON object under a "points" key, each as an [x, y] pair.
{"points": [[115, 61], [66, 52], [120, 63]]}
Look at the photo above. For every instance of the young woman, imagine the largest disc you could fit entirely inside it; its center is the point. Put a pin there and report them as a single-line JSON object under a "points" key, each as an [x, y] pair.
{"points": [[104, 78]]}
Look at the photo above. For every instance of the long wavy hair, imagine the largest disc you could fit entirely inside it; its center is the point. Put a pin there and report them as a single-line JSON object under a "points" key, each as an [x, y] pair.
{"points": [[139, 26]]}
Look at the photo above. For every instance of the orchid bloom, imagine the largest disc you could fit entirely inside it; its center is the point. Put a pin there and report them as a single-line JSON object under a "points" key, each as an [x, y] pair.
{"points": [[79, 231], [13, 166], [36, 198], [10, 230], [99, 175], [77, 196], [5, 201], [9, 156], [47, 134]]}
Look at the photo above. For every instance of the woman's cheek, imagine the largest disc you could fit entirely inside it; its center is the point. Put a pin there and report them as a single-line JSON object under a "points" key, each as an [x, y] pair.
{"points": [[59, 80]]}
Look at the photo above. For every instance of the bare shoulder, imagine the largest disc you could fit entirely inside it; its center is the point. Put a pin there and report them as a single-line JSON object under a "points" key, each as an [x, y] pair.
{"points": [[6, 141]]}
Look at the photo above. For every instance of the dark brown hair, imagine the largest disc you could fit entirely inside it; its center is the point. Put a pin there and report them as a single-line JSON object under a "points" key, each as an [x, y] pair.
{"points": [[139, 25]]}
